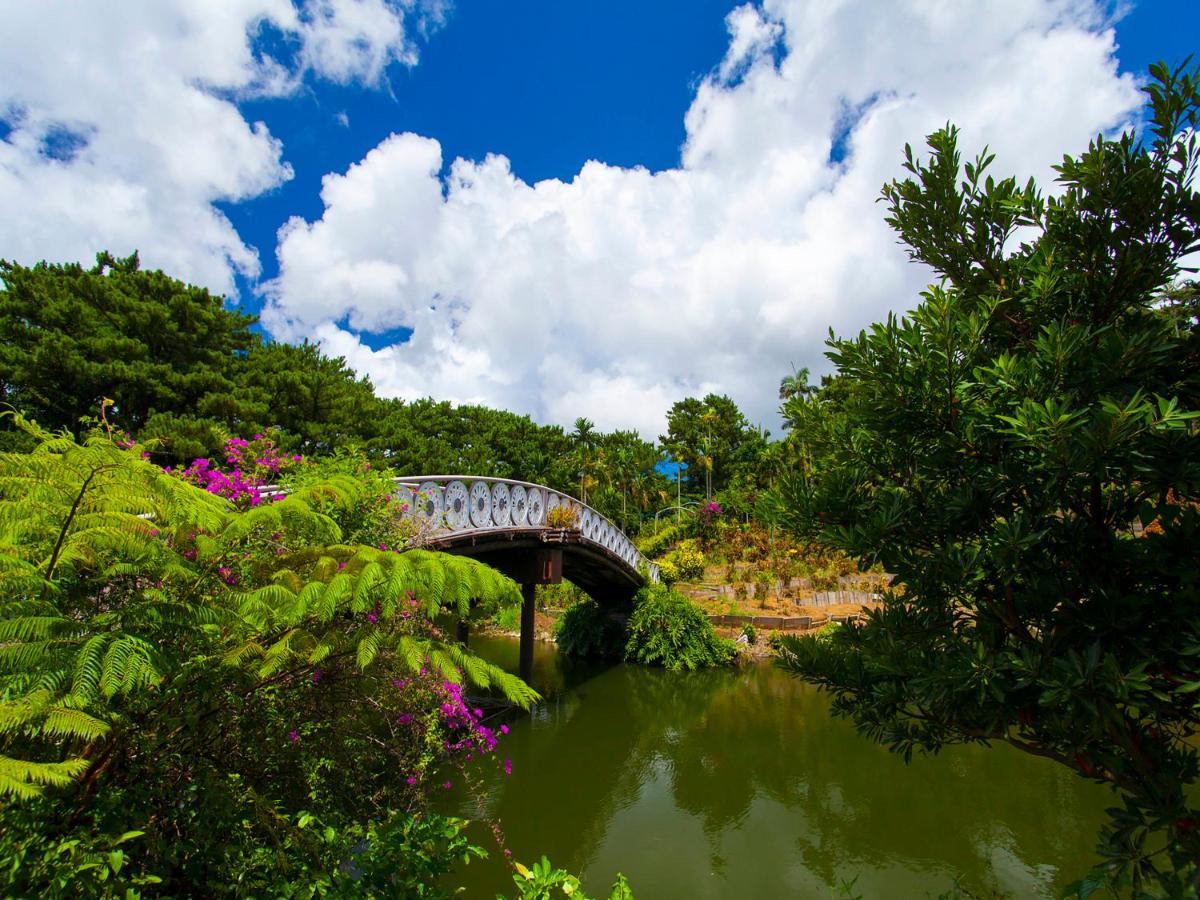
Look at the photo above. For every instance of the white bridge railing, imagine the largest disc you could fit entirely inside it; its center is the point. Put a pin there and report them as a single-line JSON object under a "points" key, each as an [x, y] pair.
{"points": [[456, 504]]}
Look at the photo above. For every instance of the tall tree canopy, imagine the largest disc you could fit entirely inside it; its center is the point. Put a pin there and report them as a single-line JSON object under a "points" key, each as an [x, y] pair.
{"points": [[70, 336], [714, 439], [1000, 450]]}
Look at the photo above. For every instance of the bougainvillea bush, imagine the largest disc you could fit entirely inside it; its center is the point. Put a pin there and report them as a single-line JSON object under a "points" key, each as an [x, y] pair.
{"points": [[193, 694], [250, 467]]}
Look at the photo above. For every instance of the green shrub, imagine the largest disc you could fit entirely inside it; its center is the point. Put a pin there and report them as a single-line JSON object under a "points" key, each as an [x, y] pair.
{"points": [[542, 881], [658, 543], [559, 596], [668, 572], [686, 562], [508, 619], [667, 630], [586, 630]]}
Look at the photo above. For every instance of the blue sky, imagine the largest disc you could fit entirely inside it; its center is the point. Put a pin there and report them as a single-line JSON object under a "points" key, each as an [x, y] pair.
{"points": [[551, 85], [560, 208]]}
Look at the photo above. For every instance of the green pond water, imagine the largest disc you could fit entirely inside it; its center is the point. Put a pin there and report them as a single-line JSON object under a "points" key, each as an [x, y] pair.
{"points": [[740, 784]]}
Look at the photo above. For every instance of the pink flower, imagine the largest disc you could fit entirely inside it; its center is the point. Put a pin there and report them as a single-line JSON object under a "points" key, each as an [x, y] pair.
{"points": [[504, 729], [316, 676], [293, 735], [410, 780], [448, 785], [508, 767]]}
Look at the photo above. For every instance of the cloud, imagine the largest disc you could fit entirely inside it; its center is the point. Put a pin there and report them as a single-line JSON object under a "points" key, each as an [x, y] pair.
{"points": [[123, 124], [622, 290]]}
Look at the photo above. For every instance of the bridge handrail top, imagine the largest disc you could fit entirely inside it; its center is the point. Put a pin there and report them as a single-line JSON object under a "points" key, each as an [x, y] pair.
{"points": [[417, 479]]}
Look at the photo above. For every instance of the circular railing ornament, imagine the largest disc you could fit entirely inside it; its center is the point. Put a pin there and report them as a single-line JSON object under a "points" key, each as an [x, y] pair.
{"points": [[500, 503], [428, 502], [536, 506], [481, 504], [553, 502], [585, 523], [402, 496], [518, 504], [455, 505]]}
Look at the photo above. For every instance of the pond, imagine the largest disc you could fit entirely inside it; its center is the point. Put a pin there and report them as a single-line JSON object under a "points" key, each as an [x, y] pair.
{"points": [[740, 784]]}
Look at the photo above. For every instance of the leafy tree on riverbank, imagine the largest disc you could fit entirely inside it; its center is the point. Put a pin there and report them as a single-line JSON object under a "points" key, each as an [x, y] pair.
{"points": [[998, 448]]}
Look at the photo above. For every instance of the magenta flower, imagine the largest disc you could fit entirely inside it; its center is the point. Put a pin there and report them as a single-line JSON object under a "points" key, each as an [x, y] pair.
{"points": [[410, 780], [316, 676], [508, 767], [448, 785], [504, 729], [293, 735]]}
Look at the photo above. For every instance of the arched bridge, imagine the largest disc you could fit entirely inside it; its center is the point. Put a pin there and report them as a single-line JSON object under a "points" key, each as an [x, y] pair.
{"points": [[512, 526], [532, 533]]}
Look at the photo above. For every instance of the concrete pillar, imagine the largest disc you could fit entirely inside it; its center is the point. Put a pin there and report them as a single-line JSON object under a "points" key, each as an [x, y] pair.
{"points": [[528, 594]]}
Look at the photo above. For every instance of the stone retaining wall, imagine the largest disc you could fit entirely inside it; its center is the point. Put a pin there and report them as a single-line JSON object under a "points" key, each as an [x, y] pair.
{"points": [[782, 623]]}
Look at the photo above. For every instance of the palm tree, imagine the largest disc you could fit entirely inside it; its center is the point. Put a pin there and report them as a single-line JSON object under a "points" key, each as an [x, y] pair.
{"points": [[796, 384], [709, 418], [585, 440]]}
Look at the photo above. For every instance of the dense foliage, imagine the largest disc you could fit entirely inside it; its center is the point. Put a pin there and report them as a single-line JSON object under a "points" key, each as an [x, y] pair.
{"points": [[714, 440], [542, 881], [173, 669], [71, 336], [666, 630], [587, 630], [1000, 450]]}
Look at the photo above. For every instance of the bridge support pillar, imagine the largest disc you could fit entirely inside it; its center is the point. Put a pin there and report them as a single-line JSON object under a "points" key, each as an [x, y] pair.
{"points": [[528, 595]]}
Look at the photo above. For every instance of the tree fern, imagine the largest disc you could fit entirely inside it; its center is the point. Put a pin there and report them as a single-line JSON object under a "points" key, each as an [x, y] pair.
{"points": [[124, 590]]}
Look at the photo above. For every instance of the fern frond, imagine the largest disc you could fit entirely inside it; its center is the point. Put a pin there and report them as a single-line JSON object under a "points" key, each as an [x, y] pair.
{"points": [[64, 722], [368, 648], [32, 628], [25, 780]]}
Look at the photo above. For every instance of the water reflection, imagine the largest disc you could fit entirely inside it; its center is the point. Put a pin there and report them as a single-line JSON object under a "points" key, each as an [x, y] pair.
{"points": [[735, 784]]}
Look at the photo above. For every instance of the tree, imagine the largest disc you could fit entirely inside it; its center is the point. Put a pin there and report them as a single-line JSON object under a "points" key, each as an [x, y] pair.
{"points": [[69, 337], [1000, 450], [712, 435], [319, 399], [431, 437], [795, 385], [585, 442]]}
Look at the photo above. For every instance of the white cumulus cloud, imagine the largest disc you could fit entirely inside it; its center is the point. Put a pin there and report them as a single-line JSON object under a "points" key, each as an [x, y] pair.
{"points": [[615, 293], [124, 124]]}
